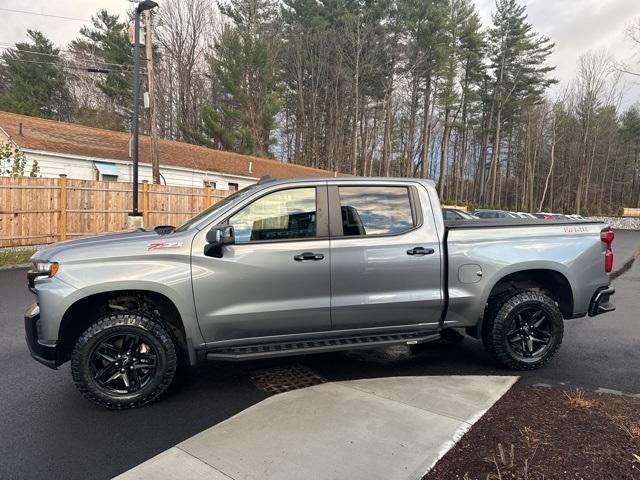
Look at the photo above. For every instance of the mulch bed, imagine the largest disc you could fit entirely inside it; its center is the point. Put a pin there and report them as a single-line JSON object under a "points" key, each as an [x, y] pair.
{"points": [[543, 433]]}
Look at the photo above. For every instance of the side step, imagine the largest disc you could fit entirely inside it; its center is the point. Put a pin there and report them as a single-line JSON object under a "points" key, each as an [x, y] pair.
{"points": [[303, 347]]}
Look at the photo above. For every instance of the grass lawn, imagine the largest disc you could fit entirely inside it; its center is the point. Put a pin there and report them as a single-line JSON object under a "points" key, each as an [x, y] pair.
{"points": [[15, 257]]}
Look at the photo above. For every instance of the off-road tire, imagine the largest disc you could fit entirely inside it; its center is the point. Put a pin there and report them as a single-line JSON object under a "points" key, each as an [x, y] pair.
{"points": [[500, 318], [143, 324]]}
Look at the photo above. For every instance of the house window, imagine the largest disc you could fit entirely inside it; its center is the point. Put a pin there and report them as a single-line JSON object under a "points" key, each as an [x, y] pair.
{"points": [[233, 187], [107, 171], [209, 183]]}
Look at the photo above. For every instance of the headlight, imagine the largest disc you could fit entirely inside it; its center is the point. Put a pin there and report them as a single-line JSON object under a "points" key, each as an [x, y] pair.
{"points": [[48, 269]]}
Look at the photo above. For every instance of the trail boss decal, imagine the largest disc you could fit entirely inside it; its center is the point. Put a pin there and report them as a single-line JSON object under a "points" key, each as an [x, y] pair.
{"points": [[576, 229], [164, 245]]}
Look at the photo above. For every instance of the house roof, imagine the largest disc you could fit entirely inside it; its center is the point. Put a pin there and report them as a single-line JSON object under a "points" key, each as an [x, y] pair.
{"points": [[74, 139]]}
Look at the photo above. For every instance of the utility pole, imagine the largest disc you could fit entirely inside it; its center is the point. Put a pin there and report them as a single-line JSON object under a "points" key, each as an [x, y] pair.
{"points": [[135, 218], [136, 111], [155, 161]]}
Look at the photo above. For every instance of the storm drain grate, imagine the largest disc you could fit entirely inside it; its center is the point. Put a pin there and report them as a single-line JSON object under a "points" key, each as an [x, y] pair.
{"points": [[284, 379]]}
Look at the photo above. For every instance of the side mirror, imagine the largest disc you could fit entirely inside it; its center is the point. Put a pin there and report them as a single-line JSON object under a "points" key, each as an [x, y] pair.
{"points": [[218, 237]]}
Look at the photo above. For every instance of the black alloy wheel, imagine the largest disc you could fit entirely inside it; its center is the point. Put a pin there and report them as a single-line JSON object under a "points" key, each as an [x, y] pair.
{"points": [[523, 330], [124, 360], [123, 363], [531, 333]]}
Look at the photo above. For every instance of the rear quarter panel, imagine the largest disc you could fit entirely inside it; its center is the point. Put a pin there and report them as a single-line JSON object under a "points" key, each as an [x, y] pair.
{"points": [[575, 251]]}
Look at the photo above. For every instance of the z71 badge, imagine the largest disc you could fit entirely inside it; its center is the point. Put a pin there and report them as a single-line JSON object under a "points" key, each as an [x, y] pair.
{"points": [[164, 245]]}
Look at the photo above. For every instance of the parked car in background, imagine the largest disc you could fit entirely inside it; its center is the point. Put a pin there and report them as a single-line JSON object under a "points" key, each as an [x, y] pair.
{"points": [[525, 215], [550, 216], [456, 214], [487, 213]]}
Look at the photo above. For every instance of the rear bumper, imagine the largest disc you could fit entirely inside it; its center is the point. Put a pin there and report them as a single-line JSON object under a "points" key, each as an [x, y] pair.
{"points": [[602, 301], [45, 354]]}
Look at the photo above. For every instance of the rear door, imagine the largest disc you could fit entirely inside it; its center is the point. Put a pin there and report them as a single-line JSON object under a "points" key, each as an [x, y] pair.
{"points": [[385, 256]]}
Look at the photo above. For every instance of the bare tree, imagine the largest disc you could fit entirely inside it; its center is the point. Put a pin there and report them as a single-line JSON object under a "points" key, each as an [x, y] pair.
{"points": [[184, 28]]}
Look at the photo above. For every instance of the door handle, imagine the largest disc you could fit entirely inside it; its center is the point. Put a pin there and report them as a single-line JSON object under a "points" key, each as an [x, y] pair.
{"points": [[308, 256], [420, 251]]}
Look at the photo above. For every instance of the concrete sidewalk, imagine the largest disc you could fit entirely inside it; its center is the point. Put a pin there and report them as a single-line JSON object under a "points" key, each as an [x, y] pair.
{"points": [[391, 428]]}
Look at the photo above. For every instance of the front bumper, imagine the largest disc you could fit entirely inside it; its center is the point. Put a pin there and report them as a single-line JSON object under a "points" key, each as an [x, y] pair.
{"points": [[602, 302], [45, 354]]}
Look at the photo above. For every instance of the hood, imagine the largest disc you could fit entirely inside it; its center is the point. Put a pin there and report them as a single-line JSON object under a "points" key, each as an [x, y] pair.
{"points": [[105, 246]]}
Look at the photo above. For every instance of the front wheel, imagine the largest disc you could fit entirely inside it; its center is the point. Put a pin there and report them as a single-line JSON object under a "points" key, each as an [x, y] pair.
{"points": [[124, 360], [523, 331]]}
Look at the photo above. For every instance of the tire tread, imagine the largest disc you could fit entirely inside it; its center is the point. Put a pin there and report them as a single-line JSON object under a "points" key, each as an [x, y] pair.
{"points": [[496, 317], [141, 319]]}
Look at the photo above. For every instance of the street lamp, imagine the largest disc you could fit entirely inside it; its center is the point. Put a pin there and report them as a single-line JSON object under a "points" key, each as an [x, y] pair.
{"points": [[142, 6]]}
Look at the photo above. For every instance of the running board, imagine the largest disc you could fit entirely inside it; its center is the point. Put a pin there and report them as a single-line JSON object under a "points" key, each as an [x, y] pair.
{"points": [[303, 347]]}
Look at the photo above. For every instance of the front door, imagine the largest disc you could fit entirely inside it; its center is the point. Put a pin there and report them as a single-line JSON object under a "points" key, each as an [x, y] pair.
{"points": [[385, 257], [275, 279]]}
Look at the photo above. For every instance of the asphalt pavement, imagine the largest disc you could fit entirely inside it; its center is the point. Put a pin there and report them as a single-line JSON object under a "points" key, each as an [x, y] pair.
{"points": [[48, 430], [625, 244]]}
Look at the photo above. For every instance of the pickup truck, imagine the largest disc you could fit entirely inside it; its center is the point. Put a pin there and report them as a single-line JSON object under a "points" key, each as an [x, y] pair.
{"points": [[293, 267]]}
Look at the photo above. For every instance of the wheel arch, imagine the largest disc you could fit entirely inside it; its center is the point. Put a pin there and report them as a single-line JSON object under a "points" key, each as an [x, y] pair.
{"points": [[84, 311], [550, 280]]}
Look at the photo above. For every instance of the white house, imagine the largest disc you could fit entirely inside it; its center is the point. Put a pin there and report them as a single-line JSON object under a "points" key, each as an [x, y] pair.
{"points": [[95, 154]]}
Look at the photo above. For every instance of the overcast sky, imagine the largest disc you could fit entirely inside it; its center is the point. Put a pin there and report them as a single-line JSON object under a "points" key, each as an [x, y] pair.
{"points": [[576, 26]]}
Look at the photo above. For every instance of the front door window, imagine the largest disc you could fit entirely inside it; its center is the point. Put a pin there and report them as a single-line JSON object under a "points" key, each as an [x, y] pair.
{"points": [[283, 215]]}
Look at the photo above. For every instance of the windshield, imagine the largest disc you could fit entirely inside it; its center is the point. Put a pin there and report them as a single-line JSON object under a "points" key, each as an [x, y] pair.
{"points": [[213, 208]]}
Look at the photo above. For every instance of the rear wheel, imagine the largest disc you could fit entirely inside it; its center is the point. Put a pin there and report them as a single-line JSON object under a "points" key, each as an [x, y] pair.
{"points": [[124, 360], [523, 331]]}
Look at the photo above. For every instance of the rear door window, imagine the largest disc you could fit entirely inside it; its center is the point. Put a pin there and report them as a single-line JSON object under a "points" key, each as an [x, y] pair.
{"points": [[375, 210]]}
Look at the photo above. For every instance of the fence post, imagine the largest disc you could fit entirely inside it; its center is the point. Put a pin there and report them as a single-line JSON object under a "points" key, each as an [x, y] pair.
{"points": [[145, 202], [207, 195], [62, 201]]}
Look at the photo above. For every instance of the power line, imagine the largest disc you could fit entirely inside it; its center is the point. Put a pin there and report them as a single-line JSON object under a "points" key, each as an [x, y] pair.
{"points": [[89, 68], [25, 12], [54, 55]]}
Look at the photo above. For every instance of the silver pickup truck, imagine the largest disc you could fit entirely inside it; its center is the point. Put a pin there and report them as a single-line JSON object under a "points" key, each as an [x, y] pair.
{"points": [[304, 266]]}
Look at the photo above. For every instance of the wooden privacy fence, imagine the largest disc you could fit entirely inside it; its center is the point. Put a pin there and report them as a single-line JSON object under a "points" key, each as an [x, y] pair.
{"points": [[35, 211], [631, 212]]}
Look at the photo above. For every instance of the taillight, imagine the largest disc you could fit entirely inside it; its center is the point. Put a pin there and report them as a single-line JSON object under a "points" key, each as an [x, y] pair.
{"points": [[607, 237]]}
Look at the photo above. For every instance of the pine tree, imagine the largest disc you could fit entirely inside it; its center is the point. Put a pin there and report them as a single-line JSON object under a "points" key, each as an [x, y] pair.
{"points": [[242, 117], [107, 44], [425, 24], [32, 81], [463, 43], [518, 57]]}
